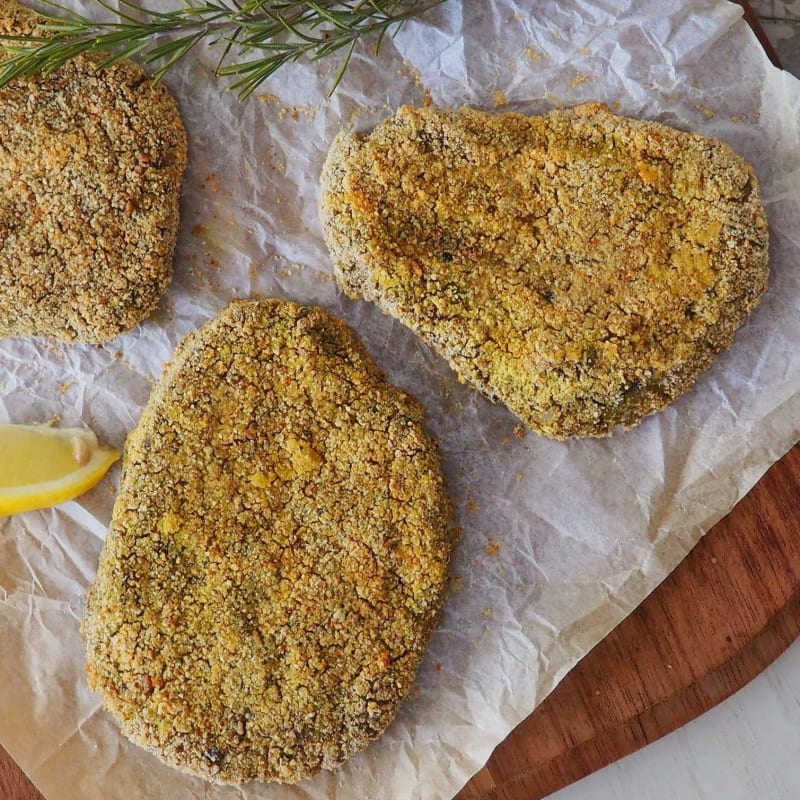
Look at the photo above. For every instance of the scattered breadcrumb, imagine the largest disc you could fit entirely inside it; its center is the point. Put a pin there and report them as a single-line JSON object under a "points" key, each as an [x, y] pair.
{"points": [[500, 98], [534, 55]]}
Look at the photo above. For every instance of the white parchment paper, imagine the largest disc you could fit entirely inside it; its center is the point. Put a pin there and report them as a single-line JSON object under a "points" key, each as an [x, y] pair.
{"points": [[561, 540]]}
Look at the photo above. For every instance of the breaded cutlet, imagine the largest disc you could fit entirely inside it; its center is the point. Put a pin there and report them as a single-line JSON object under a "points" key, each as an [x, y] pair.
{"points": [[580, 267], [278, 553]]}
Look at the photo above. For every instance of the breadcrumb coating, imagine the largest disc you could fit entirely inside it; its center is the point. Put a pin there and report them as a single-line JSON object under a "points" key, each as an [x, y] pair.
{"points": [[278, 554], [581, 267], [91, 167]]}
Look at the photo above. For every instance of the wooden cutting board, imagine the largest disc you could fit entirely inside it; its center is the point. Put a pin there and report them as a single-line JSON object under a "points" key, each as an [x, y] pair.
{"points": [[718, 620]]}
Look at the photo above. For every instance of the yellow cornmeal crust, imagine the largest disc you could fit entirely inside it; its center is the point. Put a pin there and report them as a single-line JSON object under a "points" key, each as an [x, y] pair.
{"points": [[581, 267], [91, 167], [278, 553]]}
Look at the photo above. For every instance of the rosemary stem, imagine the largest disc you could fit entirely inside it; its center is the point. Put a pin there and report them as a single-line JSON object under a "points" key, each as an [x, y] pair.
{"points": [[257, 37]]}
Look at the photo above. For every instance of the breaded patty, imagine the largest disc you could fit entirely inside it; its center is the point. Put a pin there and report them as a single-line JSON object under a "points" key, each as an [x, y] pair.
{"points": [[278, 553], [580, 267], [91, 166]]}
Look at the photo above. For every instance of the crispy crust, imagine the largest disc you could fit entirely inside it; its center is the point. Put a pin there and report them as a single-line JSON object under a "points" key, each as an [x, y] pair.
{"points": [[278, 553], [91, 167], [580, 267]]}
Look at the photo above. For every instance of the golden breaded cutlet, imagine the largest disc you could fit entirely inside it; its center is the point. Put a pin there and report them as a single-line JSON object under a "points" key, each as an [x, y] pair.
{"points": [[278, 553], [91, 167], [581, 267]]}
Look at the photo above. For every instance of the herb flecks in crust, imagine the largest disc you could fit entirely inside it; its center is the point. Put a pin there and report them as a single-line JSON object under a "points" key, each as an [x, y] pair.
{"points": [[91, 166], [278, 553], [580, 267]]}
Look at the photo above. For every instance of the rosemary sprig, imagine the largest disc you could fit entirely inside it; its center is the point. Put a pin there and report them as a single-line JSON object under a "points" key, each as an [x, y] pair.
{"points": [[255, 37]]}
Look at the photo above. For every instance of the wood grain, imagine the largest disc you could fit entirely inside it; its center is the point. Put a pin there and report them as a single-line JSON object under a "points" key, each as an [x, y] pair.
{"points": [[13, 783], [718, 620]]}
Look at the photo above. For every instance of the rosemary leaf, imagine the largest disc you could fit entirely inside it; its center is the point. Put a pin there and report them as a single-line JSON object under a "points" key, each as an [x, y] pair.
{"points": [[255, 37]]}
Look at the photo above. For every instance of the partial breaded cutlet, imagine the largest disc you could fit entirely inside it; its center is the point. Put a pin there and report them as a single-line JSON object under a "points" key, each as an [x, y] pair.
{"points": [[91, 168]]}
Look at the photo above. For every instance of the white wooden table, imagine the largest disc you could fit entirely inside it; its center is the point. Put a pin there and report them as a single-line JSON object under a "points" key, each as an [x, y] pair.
{"points": [[747, 748]]}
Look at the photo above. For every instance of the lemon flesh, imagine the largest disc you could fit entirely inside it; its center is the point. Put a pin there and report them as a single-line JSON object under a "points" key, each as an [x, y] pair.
{"points": [[42, 466]]}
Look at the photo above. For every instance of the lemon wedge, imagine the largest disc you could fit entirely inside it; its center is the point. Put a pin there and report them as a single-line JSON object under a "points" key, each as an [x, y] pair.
{"points": [[42, 466]]}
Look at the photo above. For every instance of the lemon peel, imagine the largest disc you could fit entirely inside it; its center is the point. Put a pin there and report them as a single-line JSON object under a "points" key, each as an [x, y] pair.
{"points": [[42, 466]]}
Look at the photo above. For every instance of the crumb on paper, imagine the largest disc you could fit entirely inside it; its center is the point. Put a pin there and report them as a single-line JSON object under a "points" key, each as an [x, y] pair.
{"points": [[500, 98], [66, 386], [487, 612], [492, 547], [534, 55], [408, 70], [211, 182], [710, 113], [200, 230], [579, 80], [296, 112], [520, 431], [471, 504]]}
